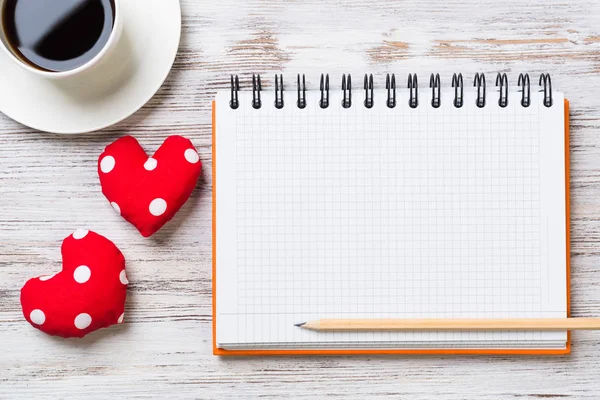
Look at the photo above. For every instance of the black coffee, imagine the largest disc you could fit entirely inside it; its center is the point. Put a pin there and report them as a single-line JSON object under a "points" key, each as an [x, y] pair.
{"points": [[57, 35]]}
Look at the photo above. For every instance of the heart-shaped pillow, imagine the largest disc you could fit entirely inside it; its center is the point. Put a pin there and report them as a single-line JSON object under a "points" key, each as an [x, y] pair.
{"points": [[88, 294], [148, 191]]}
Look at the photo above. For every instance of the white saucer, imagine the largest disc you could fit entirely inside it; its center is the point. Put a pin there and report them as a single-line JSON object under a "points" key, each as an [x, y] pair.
{"points": [[126, 80]]}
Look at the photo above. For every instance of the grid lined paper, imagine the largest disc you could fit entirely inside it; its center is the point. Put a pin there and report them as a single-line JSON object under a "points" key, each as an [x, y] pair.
{"points": [[388, 213]]}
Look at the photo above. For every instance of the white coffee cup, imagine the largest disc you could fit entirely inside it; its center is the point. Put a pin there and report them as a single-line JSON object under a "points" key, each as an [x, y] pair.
{"points": [[110, 45]]}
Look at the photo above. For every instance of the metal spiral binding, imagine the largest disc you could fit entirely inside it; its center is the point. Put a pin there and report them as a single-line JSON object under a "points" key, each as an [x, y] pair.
{"points": [[457, 82], [545, 80], [279, 92], [434, 84], [347, 89], [324, 102], [479, 83], [390, 85], [301, 103], [256, 88], [369, 91], [502, 81], [235, 88], [525, 90], [413, 88]]}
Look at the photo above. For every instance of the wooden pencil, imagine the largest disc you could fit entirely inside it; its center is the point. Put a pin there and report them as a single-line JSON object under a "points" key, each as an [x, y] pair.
{"points": [[505, 324]]}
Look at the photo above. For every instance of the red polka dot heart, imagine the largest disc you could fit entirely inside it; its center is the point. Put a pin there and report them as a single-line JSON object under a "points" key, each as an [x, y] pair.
{"points": [[88, 294], [148, 191]]}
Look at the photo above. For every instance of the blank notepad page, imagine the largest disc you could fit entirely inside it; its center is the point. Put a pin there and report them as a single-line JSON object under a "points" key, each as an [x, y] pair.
{"points": [[388, 213]]}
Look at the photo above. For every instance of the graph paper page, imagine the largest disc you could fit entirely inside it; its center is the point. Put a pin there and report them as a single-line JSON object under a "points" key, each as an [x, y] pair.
{"points": [[388, 213]]}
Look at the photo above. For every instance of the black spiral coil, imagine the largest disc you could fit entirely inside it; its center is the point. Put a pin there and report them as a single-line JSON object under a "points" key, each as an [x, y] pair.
{"points": [[369, 91], [347, 90], [279, 92], [457, 84], [324, 102], [545, 80], [436, 94], [479, 83], [413, 89], [301, 103], [235, 88], [525, 90], [390, 85], [256, 89], [502, 81]]}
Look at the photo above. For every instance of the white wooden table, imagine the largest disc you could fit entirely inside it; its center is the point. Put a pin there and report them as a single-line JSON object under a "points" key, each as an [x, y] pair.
{"points": [[49, 187]]}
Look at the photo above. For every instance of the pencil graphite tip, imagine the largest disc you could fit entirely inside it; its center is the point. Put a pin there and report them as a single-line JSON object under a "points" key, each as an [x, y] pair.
{"points": [[300, 324]]}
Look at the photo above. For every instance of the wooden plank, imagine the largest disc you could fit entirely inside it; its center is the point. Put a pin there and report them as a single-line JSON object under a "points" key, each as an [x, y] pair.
{"points": [[49, 187]]}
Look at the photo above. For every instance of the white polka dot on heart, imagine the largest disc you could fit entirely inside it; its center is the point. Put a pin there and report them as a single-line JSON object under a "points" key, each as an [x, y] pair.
{"points": [[192, 156], [46, 277], [80, 234], [121, 318], [82, 274], [37, 317], [82, 321], [158, 207], [123, 278], [116, 207], [151, 164], [107, 164]]}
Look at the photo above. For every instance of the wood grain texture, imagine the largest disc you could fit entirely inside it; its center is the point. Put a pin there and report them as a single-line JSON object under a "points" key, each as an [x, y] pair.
{"points": [[49, 187]]}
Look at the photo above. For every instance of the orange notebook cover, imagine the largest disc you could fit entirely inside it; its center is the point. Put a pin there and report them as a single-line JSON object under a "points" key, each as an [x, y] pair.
{"points": [[269, 352]]}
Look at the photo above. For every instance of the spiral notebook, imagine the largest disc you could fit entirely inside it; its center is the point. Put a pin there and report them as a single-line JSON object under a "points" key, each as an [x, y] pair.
{"points": [[381, 201]]}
